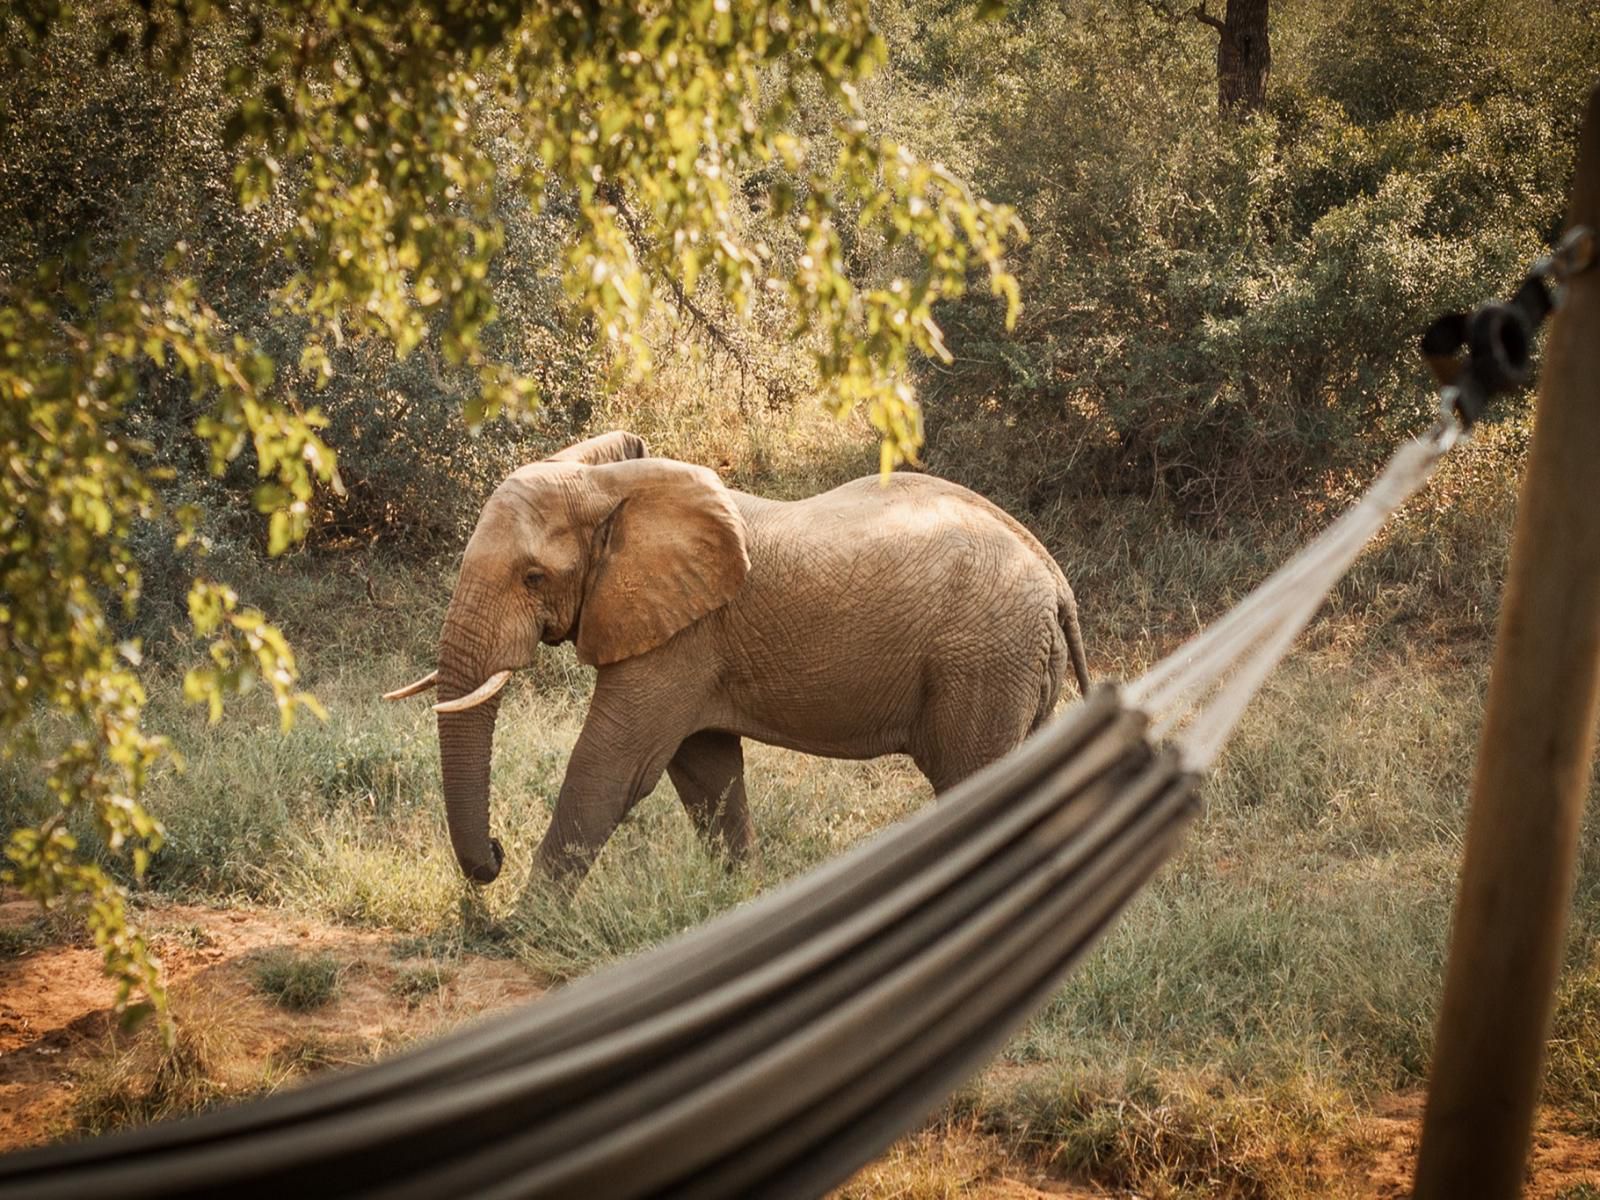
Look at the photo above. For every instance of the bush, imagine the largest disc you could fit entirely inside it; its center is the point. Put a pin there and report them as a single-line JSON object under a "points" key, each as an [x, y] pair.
{"points": [[1224, 313]]}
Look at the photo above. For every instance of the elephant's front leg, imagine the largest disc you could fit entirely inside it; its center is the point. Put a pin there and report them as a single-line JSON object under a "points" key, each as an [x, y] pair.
{"points": [[615, 764], [708, 771]]}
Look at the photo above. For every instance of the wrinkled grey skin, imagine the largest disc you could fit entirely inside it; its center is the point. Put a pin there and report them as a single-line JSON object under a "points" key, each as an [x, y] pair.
{"points": [[911, 617]]}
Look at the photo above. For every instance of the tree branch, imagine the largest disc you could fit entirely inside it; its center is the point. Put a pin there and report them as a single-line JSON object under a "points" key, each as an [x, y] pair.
{"points": [[715, 333], [1199, 13]]}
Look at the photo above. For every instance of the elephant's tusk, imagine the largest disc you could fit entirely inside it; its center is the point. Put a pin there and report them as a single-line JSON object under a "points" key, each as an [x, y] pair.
{"points": [[486, 689], [411, 689]]}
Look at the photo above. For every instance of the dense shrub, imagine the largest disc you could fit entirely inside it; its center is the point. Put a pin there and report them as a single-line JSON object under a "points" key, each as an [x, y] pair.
{"points": [[1222, 312]]}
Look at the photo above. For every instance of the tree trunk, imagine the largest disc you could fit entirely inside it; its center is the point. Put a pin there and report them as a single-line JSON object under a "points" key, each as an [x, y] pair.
{"points": [[1244, 55], [1534, 766]]}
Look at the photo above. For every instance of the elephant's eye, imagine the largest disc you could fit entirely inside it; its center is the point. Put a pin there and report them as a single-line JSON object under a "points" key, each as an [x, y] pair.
{"points": [[532, 578]]}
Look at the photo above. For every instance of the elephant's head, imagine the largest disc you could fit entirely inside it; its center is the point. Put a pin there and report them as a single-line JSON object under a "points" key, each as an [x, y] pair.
{"points": [[599, 545]]}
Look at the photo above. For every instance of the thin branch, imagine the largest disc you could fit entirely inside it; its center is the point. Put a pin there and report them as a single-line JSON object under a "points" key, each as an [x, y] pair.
{"points": [[1199, 13], [371, 590], [714, 331]]}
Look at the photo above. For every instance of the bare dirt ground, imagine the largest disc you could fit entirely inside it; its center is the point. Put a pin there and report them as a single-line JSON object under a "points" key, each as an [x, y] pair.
{"points": [[56, 1019], [57, 1029], [1562, 1163]]}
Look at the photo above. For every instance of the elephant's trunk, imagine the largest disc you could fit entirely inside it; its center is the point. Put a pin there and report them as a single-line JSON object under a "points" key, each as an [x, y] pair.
{"points": [[465, 746]]}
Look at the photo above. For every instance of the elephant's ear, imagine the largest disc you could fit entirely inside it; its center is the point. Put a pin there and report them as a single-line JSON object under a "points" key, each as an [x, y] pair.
{"points": [[615, 446], [670, 550]]}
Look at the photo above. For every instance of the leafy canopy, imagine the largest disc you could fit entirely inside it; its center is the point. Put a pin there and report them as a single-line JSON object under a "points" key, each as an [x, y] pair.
{"points": [[391, 129]]}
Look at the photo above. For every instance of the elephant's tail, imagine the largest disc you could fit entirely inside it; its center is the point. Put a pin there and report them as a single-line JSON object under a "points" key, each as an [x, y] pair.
{"points": [[1067, 617]]}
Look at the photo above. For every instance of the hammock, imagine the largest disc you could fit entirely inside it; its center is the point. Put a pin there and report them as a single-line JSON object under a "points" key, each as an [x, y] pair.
{"points": [[776, 1049]]}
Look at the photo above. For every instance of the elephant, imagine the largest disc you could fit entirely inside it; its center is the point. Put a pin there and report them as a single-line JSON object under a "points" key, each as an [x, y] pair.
{"points": [[900, 615]]}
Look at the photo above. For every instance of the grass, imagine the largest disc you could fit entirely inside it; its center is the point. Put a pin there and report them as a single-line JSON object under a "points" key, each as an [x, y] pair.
{"points": [[950, 1157], [312, 1052], [1161, 1132], [1276, 978], [296, 981], [416, 982], [15, 941], [139, 1079]]}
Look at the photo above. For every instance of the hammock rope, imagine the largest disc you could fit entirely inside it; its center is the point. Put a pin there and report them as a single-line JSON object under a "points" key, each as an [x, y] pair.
{"points": [[779, 1047], [1198, 693]]}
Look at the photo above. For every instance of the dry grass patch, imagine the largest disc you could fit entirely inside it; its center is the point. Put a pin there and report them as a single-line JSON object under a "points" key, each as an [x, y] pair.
{"points": [[1161, 1133], [140, 1079], [952, 1158], [66, 1067]]}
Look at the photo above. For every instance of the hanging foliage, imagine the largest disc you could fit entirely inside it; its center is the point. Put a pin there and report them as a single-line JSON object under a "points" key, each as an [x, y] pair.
{"points": [[387, 137]]}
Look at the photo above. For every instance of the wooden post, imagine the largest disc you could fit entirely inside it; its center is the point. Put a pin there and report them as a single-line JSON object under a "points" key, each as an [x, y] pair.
{"points": [[1532, 772]]}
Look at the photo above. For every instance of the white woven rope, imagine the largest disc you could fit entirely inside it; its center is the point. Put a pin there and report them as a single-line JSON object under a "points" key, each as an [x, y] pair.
{"points": [[1196, 695]]}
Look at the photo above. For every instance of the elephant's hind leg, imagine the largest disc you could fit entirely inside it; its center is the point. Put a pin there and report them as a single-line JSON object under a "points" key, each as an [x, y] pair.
{"points": [[708, 771], [965, 728], [1050, 678]]}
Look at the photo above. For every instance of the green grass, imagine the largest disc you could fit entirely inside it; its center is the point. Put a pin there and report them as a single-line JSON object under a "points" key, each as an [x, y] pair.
{"points": [[297, 981]]}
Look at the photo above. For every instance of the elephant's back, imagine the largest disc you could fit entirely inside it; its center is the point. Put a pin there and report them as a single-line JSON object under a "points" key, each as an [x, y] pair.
{"points": [[905, 519], [904, 552]]}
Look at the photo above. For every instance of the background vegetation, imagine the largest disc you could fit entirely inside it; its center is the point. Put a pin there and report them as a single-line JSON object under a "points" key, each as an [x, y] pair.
{"points": [[376, 154], [1215, 345]]}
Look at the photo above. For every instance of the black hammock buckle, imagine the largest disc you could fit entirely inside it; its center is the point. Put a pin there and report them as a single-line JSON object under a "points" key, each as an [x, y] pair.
{"points": [[1489, 351]]}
